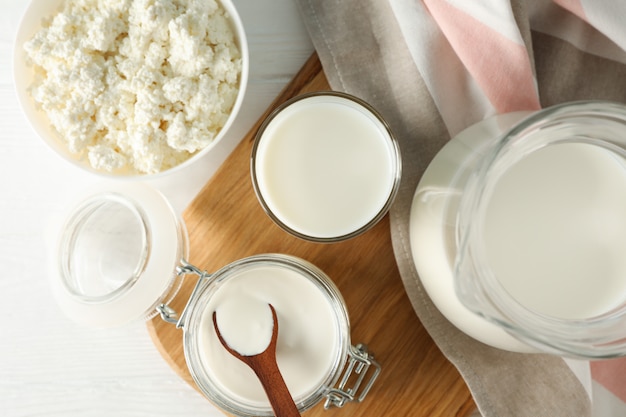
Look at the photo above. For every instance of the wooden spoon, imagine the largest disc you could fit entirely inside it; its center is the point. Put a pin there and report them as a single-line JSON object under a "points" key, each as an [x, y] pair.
{"points": [[266, 369]]}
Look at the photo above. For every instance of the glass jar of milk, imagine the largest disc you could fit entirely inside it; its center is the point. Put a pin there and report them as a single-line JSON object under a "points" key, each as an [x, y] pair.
{"points": [[525, 216], [121, 256]]}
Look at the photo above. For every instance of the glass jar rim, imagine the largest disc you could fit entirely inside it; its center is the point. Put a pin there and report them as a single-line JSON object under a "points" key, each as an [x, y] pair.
{"points": [[80, 227]]}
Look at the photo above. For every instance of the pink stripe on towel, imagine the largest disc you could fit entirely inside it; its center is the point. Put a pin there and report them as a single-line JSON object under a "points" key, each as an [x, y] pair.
{"points": [[612, 375], [574, 6], [500, 66]]}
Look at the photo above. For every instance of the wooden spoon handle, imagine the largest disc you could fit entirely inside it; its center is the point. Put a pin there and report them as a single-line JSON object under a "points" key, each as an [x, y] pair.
{"points": [[276, 390], [266, 369]]}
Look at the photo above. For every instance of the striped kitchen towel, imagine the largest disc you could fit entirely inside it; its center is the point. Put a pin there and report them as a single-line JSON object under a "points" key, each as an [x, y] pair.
{"points": [[487, 48], [435, 67], [490, 51]]}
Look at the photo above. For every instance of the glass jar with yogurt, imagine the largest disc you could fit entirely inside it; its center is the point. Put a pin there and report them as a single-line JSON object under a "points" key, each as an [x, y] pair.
{"points": [[313, 349], [121, 256], [521, 220]]}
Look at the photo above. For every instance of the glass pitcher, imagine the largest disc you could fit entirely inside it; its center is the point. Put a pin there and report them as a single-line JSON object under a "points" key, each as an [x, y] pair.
{"points": [[536, 224]]}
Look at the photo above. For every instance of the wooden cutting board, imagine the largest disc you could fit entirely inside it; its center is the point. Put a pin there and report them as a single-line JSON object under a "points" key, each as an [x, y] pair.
{"points": [[226, 223]]}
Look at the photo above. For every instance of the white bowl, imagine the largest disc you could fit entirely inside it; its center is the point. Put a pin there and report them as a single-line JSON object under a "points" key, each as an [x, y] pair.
{"points": [[23, 77]]}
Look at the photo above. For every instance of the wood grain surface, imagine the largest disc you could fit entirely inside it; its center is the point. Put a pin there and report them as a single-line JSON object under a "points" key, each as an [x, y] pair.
{"points": [[226, 223]]}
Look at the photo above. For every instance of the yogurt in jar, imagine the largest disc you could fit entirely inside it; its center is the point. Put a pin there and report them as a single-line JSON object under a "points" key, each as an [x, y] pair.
{"points": [[325, 166], [309, 335]]}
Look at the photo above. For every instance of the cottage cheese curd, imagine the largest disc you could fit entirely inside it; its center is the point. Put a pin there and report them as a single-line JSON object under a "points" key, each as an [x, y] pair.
{"points": [[136, 86]]}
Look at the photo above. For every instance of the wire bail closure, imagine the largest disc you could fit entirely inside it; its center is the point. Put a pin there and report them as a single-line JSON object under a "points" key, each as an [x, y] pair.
{"points": [[357, 366], [166, 312]]}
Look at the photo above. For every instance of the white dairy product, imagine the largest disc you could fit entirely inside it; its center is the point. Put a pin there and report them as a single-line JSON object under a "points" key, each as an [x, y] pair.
{"points": [[434, 228], [246, 324], [555, 230], [136, 86], [308, 331], [325, 166]]}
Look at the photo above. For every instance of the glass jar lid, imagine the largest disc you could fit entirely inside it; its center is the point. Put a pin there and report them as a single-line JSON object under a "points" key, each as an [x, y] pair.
{"points": [[117, 255]]}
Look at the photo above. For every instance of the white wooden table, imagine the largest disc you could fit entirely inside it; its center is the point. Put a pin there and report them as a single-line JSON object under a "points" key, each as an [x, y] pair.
{"points": [[50, 366]]}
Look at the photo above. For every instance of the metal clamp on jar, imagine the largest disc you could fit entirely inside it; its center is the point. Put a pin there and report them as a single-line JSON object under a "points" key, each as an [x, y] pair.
{"points": [[121, 256]]}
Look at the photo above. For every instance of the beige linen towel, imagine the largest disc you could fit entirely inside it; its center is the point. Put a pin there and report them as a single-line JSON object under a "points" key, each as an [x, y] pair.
{"points": [[365, 49]]}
